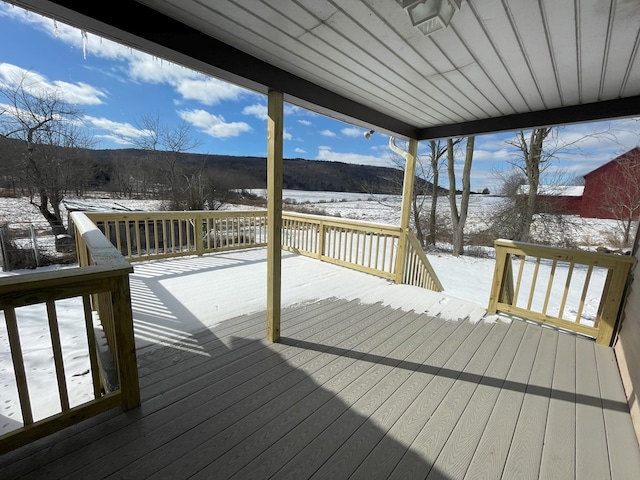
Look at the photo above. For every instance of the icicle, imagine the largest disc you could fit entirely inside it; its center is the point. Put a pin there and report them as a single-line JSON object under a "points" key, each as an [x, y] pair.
{"points": [[55, 28], [84, 43]]}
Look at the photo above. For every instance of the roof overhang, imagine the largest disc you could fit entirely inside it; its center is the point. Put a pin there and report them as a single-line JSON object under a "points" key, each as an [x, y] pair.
{"points": [[499, 66]]}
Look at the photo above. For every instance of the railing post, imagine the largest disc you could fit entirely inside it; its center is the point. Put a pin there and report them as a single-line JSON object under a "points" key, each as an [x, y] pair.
{"points": [[125, 342], [498, 279], [507, 290], [407, 195], [610, 302], [400, 256], [199, 234], [321, 234]]}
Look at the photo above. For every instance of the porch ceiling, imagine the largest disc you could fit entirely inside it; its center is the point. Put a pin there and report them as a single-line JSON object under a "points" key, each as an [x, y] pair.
{"points": [[500, 65]]}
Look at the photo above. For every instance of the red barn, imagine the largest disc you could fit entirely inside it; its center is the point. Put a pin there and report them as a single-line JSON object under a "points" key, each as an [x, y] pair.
{"points": [[613, 190], [556, 199]]}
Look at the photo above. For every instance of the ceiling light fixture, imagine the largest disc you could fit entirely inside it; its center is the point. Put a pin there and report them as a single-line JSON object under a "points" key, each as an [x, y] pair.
{"points": [[429, 16]]}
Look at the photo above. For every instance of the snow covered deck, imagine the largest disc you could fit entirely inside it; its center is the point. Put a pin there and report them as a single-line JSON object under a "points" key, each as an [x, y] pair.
{"points": [[370, 380]]}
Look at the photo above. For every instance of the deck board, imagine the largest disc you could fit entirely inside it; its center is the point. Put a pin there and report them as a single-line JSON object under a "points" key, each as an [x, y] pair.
{"points": [[490, 454], [473, 356], [591, 444], [525, 453], [358, 391], [620, 434], [559, 451], [357, 380]]}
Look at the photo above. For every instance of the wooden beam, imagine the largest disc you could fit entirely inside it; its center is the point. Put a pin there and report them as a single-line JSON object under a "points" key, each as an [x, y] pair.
{"points": [[586, 112], [274, 213], [405, 213]]}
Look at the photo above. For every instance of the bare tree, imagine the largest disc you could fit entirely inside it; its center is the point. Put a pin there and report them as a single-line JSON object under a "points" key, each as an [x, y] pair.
{"points": [[459, 215], [425, 186], [437, 149], [165, 145], [535, 151], [533, 161], [47, 126]]}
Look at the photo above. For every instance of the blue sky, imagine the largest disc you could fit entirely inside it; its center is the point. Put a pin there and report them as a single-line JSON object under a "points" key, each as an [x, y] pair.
{"points": [[116, 86]]}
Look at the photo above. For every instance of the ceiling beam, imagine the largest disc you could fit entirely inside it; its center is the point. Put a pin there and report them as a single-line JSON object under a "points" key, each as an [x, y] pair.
{"points": [[588, 112], [140, 27]]}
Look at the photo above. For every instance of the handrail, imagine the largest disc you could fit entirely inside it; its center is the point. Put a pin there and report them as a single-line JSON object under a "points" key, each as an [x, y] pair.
{"points": [[364, 246], [418, 270], [101, 282], [154, 235], [511, 297]]}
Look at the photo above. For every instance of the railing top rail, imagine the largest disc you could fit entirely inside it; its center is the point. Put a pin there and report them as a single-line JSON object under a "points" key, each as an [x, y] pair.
{"points": [[591, 258], [54, 278], [171, 214], [102, 251], [96, 216], [343, 221]]}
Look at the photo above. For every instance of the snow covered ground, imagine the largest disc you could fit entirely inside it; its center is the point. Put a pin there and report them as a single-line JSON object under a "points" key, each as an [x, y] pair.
{"points": [[466, 280]]}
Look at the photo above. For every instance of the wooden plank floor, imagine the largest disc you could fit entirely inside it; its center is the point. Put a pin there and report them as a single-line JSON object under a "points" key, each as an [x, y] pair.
{"points": [[358, 391]]}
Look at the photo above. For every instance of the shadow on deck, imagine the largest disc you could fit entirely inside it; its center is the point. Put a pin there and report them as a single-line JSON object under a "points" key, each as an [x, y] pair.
{"points": [[354, 390]]}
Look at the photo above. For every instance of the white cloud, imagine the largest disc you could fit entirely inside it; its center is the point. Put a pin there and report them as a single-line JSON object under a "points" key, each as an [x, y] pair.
{"points": [[286, 135], [80, 93], [352, 132], [139, 66], [299, 150], [114, 139], [327, 133], [213, 125], [326, 154], [260, 110], [118, 130], [208, 91], [482, 155], [190, 85], [306, 123], [36, 84], [257, 110]]}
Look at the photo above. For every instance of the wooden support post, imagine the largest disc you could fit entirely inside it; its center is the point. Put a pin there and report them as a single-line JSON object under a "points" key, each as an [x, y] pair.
{"points": [[274, 213], [498, 278], [612, 298], [125, 342], [405, 214], [198, 232]]}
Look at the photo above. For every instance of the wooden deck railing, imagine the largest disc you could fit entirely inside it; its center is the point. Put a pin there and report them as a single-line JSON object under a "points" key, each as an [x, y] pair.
{"points": [[101, 282], [367, 247], [417, 270], [538, 280], [155, 235]]}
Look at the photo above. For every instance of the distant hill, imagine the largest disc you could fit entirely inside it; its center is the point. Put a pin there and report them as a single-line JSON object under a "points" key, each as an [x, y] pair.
{"points": [[240, 172], [298, 173]]}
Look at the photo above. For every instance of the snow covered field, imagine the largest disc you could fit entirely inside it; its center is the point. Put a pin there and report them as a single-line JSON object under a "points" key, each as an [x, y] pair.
{"points": [[467, 278]]}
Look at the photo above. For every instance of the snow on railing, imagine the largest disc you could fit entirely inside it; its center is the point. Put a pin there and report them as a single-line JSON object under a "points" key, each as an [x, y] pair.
{"points": [[100, 284], [367, 247], [155, 235]]}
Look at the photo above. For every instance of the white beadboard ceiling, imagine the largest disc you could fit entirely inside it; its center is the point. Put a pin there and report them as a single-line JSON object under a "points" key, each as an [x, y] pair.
{"points": [[500, 65]]}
